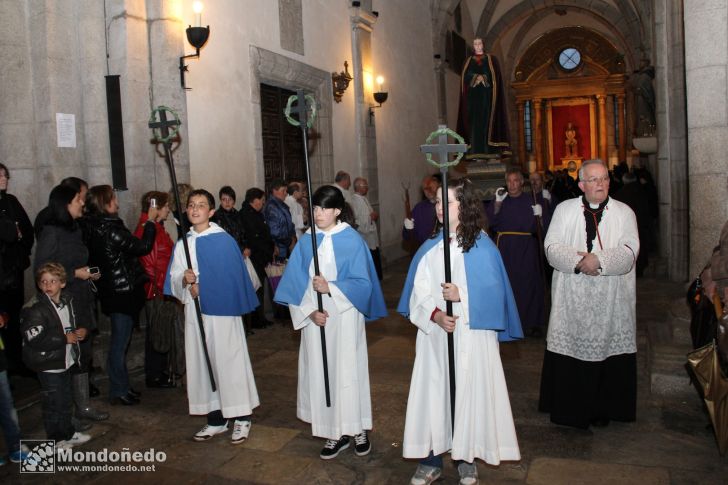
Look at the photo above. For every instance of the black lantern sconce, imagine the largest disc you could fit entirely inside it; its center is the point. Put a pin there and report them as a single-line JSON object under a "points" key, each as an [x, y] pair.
{"points": [[380, 96], [197, 37], [341, 82]]}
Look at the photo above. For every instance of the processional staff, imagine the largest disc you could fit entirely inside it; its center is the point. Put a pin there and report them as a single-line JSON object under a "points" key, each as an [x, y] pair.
{"points": [[443, 150], [165, 138], [306, 103]]}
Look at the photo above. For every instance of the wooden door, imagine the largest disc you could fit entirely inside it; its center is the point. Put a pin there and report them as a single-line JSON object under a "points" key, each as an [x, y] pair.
{"points": [[283, 155]]}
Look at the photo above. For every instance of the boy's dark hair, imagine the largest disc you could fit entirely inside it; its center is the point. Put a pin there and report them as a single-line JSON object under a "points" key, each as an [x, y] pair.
{"points": [[293, 187], [253, 193], [98, 197], [4, 168], [227, 190], [329, 197], [204, 193], [162, 199], [58, 200], [276, 184], [55, 269], [472, 219]]}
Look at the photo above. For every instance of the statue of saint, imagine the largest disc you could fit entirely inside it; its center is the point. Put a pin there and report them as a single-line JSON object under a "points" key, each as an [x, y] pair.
{"points": [[644, 99], [482, 119], [570, 141]]}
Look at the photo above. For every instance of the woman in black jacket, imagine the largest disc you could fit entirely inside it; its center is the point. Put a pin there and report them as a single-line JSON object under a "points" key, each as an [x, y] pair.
{"points": [[60, 241], [260, 243], [15, 250], [115, 250]]}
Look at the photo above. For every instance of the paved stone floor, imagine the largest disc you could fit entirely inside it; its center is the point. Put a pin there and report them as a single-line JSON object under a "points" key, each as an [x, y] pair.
{"points": [[669, 443]]}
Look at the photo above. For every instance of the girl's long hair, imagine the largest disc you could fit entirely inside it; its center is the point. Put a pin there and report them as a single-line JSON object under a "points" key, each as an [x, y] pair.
{"points": [[471, 217]]}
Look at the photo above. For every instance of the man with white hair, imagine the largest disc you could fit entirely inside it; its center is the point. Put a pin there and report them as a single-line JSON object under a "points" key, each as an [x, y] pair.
{"points": [[589, 374], [366, 220]]}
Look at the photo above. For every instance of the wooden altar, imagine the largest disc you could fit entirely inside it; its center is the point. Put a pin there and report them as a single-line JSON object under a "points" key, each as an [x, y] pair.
{"points": [[591, 94]]}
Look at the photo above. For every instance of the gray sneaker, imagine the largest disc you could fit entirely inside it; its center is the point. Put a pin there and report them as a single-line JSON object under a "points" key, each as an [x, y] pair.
{"points": [[425, 475], [468, 473]]}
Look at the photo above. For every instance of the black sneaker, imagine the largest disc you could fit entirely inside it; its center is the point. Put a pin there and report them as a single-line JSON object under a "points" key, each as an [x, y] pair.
{"points": [[362, 445], [333, 447]]}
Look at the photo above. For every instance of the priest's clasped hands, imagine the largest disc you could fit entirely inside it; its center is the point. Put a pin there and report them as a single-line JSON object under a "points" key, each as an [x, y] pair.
{"points": [[589, 264]]}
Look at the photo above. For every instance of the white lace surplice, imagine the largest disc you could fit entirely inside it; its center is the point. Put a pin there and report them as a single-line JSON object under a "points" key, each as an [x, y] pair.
{"points": [[592, 317]]}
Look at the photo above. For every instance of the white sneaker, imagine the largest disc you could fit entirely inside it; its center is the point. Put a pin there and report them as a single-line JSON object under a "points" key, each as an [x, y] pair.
{"points": [[425, 475], [208, 432], [241, 430], [77, 439], [468, 473]]}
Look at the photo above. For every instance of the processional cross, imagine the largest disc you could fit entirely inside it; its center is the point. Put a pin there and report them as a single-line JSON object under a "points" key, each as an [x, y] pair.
{"points": [[305, 104], [443, 150], [165, 137]]}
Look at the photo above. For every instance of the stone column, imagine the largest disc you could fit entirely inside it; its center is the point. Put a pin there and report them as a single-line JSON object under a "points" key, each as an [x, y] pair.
{"points": [[705, 32], [537, 134], [622, 128], [602, 102], [362, 23], [521, 135]]}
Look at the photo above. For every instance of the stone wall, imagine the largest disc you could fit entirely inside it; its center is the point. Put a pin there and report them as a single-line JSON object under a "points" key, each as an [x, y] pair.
{"points": [[224, 108], [706, 63], [55, 59]]}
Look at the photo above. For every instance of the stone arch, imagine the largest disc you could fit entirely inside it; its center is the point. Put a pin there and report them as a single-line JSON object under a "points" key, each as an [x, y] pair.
{"points": [[517, 49], [628, 25]]}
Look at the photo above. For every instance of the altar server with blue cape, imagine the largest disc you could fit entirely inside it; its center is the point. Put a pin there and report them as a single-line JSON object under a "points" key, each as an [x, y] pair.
{"points": [[484, 314], [351, 294], [220, 279]]}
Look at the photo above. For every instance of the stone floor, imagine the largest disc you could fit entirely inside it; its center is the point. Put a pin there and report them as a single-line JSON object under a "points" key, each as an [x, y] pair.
{"points": [[669, 444]]}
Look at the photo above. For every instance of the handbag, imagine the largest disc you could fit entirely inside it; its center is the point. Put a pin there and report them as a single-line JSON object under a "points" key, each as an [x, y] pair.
{"points": [[703, 315], [162, 321], [161, 325], [274, 272], [253, 275]]}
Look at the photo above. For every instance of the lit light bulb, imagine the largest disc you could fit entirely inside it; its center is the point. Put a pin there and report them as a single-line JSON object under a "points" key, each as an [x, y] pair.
{"points": [[197, 8], [380, 83]]}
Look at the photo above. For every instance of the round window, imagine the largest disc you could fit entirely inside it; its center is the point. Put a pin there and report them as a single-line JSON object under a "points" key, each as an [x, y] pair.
{"points": [[569, 58]]}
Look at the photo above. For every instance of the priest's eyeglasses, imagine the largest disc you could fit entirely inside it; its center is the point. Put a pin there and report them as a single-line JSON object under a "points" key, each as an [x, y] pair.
{"points": [[595, 180]]}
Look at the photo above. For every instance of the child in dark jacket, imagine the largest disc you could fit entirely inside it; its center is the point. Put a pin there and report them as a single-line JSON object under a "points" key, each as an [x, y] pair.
{"points": [[50, 347]]}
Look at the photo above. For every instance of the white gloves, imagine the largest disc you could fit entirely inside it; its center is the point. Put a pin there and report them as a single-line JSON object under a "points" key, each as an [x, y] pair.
{"points": [[409, 224], [546, 194], [501, 194], [537, 210]]}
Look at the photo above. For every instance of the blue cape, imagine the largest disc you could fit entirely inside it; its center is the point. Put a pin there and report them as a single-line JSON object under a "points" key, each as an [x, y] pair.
{"points": [[491, 302], [356, 276], [225, 287]]}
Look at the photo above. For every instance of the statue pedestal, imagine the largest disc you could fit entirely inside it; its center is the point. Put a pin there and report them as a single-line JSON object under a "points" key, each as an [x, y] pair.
{"points": [[577, 160], [487, 176]]}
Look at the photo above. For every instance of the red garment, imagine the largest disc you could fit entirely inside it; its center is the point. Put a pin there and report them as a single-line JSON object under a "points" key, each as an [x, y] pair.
{"points": [[155, 263]]}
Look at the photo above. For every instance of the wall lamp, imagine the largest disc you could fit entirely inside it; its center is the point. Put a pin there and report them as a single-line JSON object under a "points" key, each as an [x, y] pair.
{"points": [[197, 37], [380, 96]]}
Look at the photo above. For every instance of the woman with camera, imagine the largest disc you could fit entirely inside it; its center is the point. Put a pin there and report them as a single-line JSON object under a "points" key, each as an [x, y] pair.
{"points": [[115, 250]]}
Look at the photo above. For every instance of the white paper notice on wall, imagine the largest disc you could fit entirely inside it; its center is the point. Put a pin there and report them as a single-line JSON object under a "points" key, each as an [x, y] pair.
{"points": [[66, 130]]}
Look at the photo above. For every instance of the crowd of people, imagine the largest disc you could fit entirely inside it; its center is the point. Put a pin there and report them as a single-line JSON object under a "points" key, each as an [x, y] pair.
{"points": [[208, 286]]}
